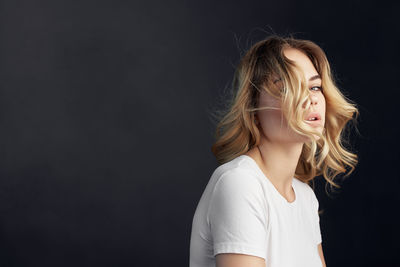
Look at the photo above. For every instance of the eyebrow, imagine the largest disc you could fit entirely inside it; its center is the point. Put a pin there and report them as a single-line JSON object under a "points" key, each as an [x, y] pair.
{"points": [[315, 77]]}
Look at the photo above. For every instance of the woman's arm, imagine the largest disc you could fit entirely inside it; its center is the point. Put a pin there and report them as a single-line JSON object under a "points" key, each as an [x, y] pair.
{"points": [[238, 260], [321, 254]]}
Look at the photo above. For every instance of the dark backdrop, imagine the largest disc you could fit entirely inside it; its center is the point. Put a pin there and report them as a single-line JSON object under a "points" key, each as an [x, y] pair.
{"points": [[106, 134]]}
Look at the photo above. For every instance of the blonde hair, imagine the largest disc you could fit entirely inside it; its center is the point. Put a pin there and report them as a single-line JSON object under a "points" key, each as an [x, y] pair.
{"points": [[236, 131]]}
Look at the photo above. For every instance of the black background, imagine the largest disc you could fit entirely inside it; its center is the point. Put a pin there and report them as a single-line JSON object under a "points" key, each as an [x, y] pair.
{"points": [[106, 133]]}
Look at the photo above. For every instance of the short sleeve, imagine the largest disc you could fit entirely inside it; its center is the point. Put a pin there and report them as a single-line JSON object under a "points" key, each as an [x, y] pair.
{"points": [[315, 206], [237, 215]]}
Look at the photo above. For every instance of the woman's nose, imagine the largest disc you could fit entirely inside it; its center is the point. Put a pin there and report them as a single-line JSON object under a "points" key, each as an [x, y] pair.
{"points": [[314, 99]]}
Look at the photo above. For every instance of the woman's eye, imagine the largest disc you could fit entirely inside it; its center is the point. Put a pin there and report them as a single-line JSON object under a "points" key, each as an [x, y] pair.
{"points": [[318, 88]]}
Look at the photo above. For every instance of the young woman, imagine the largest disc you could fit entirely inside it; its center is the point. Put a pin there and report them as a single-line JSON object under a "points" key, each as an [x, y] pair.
{"points": [[283, 127]]}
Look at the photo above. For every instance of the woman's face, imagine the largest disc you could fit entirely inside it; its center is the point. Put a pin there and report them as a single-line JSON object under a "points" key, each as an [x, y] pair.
{"points": [[274, 125]]}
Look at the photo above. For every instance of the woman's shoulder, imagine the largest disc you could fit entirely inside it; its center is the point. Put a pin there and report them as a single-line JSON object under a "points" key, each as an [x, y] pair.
{"points": [[240, 162], [237, 175], [233, 185], [237, 167]]}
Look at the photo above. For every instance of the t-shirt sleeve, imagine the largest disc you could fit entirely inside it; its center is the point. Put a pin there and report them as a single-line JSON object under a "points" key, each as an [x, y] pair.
{"points": [[237, 215], [315, 206]]}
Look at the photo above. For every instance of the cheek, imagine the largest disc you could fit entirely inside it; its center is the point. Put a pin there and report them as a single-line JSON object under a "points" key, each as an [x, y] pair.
{"points": [[272, 123], [269, 118], [323, 103]]}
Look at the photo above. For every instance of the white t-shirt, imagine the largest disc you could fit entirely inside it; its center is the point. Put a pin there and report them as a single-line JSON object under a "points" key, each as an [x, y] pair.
{"points": [[240, 211]]}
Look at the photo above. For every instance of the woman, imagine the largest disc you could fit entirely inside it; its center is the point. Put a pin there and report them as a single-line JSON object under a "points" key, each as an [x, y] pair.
{"points": [[284, 126]]}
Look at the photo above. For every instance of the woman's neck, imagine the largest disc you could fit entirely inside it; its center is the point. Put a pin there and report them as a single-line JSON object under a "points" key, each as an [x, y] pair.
{"points": [[278, 161]]}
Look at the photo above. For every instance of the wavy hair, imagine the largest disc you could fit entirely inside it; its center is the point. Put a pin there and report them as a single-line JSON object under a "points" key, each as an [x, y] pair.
{"points": [[259, 69]]}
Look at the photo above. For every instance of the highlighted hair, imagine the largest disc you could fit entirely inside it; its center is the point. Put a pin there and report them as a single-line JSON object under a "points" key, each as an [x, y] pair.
{"points": [[259, 69]]}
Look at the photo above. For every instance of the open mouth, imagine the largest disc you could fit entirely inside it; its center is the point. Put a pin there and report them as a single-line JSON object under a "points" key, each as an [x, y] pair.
{"points": [[313, 119]]}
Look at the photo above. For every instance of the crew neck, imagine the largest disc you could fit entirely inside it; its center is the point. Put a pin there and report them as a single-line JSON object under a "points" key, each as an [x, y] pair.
{"points": [[258, 169]]}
